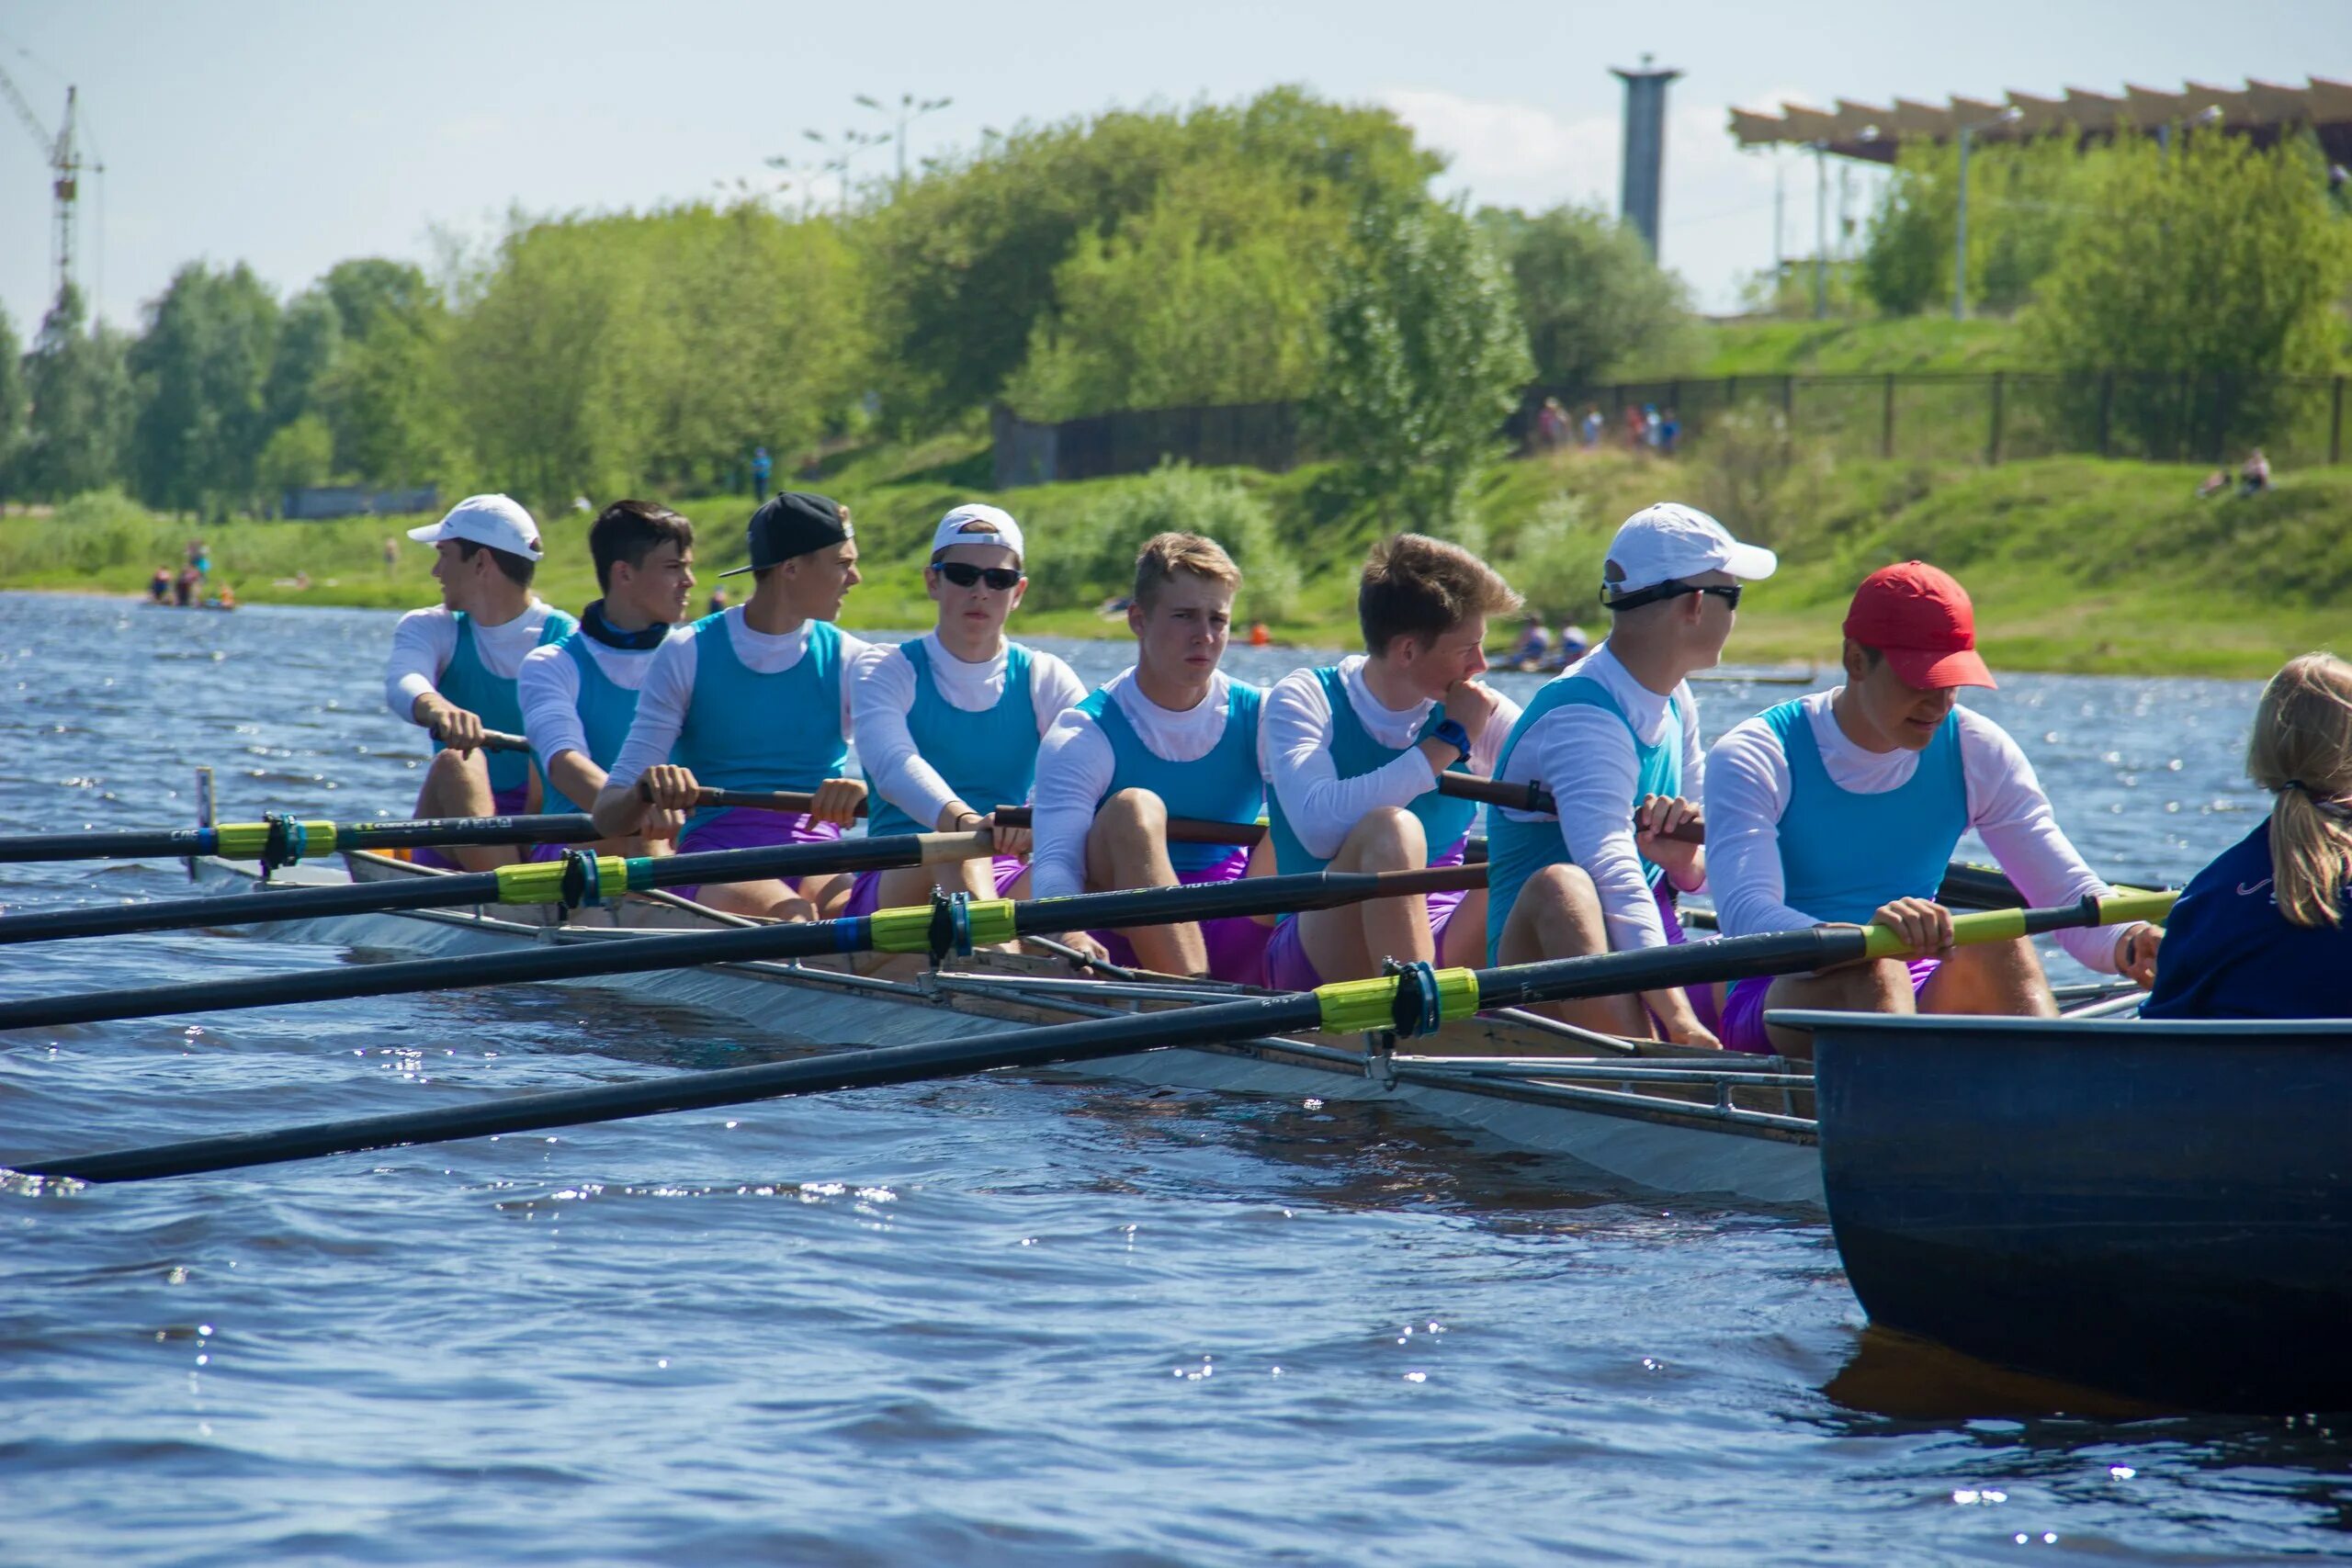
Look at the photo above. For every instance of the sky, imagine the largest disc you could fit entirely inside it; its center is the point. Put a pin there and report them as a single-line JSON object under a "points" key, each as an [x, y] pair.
{"points": [[292, 134]]}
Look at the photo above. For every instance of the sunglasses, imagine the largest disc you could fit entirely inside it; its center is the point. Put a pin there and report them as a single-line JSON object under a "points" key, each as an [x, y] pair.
{"points": [[1728, 593], [963, 574]]}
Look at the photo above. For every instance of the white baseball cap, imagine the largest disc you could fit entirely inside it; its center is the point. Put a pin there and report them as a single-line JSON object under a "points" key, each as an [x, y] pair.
{"points": [[974, 524], [1669, 542], [497, 521]]}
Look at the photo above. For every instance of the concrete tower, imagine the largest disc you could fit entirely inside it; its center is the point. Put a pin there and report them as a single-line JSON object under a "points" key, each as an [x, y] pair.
{"points": [[1644, 147]]}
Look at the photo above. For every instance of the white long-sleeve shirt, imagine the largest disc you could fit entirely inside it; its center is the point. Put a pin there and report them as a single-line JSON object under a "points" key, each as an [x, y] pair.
{"points": [[1748, 789], [1075, 766], [669, 687], [549, 689], [425, 640], [1585, 756], [1295, 754], [885, 695]]}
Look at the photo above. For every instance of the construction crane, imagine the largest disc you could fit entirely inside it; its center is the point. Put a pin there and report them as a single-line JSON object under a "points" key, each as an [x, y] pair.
{"points": [[63, 152]]}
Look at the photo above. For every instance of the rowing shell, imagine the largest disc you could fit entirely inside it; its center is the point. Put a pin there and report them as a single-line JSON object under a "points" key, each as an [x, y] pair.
{"points": [[1669, 1119]]}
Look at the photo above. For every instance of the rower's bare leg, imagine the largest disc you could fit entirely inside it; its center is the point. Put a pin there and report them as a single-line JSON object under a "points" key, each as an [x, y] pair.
{"points": [[768, 899], [826, 895], [1876, 984], [1262, 864], [1350, 942], [2003, 978], [905, 886], [457, 785], [1127, 847], [1558, 915]]}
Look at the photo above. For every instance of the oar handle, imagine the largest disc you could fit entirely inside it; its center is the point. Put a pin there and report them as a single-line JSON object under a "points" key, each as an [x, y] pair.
{"points": [[1533, 797], [1181, 830], [491, 741]]}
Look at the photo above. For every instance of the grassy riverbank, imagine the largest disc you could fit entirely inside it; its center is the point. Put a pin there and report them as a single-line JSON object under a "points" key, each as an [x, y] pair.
{"points": [[2076, 564]]}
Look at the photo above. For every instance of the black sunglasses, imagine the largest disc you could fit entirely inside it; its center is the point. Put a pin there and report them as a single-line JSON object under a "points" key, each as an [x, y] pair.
{"points": [[1728, 593], [963, 574]]}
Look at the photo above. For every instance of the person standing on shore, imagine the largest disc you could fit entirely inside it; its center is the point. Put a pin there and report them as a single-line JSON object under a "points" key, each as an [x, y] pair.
{"points": [[1352, 753], [755, 697], [761, 467], [1616, 744], [454, 666], [1171, 736], [949, 726]]}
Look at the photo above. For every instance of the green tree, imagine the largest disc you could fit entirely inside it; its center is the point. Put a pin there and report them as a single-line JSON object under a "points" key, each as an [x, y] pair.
{"points": [[1215, 295], [367, 287], [1906, 261], [2219, 265], [1594, 303], [202, 366], [298, 454], [12, 403], [309, 340], [1427, 358], [78, 384]]}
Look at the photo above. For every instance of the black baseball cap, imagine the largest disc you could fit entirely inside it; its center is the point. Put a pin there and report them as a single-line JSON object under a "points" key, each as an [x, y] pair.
{"points": [[793, 523]]}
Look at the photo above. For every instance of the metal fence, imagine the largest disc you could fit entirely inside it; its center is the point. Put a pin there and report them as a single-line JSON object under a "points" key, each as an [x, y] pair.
{"points": [[1989, 417]]}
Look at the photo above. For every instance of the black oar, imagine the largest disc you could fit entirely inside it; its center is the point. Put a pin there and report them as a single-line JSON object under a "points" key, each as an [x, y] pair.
{"points": [[937, 929], [282, 841], [576, 882], [1181, 830], [1416, 1002]]}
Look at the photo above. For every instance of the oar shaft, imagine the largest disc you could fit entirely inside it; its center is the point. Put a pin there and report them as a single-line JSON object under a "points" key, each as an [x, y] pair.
{"points": [[1532, 797], [244, 841], [1181, 830]]}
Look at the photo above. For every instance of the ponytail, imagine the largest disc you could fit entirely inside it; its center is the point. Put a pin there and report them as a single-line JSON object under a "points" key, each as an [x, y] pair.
{"points": [[2301, 753]]}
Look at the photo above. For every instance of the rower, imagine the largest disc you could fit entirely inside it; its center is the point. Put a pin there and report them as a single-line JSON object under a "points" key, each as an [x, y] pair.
{"points": [[454, 665], [1171, 736], [579, 692], [755, 697], [1352, 752], [1616, 743], [1843, 807], [948, 724], [2266, 929]]}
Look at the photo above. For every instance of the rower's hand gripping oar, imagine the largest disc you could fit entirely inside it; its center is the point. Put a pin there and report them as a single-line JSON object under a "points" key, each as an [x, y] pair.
{"points": [[946, 925], [1417, 1001]]}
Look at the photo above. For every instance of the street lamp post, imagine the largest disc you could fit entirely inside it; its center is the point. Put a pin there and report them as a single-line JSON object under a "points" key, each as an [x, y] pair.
{"points": [[845, 149], [2210, 115], [2008, 116], [911, 109], [1820, 230]]}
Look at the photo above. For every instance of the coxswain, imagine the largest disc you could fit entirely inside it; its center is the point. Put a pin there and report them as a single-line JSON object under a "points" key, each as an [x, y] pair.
{"points": [[755, 698], [1171, 736], [579, 692], [1616, 745], [2265, 930], [948, 724], [1843, 807], [1352, 753], [454, 665]]}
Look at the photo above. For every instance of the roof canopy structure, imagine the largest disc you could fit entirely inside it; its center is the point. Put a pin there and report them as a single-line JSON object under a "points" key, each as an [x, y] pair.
{"points": [[2263, 111]]}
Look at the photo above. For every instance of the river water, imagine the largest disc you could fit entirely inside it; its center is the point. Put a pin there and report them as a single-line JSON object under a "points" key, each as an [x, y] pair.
{"points": [[999, 1321]]}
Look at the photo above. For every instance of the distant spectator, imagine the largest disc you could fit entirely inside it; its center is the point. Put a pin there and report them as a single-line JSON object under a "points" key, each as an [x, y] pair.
{"points": [[159, 587], [1637, 428], [1651, 429], [392, 553], [1534, 644], [200, 557], [1669, 431], [184, 586], [1592, 427], [1551, 426], [2215, 483], [1574, 645], [2254, 474], [761, 467], [718, 598]]}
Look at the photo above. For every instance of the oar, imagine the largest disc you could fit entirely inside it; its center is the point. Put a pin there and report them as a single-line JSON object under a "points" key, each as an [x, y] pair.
{"points": [[284, 840], [1416, 1002], [577, 881], [937, 928], [1181, 830], [492, 741]]}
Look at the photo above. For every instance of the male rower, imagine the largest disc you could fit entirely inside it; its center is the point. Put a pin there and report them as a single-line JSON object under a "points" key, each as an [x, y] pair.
{"points": [[1171, 736], [1616, 743], [1352, 754], [948, 724], [754, 698], [1843, 807], [454, 665], [579, 692]]}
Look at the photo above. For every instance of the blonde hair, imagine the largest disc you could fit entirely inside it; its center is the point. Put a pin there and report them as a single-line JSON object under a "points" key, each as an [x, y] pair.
{"points": [[2301, 752], [1165, 555]]}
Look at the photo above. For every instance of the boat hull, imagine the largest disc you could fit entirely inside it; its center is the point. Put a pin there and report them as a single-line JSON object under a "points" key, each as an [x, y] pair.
{"points": [[2161, 1209]]}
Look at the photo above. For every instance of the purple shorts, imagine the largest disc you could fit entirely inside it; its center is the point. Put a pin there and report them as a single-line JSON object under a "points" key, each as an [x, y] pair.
{"points": [[1703, 998], [1287, 967], [1743, 1028], [1236, 944], [503, 803], [865, 894], [741, 828]]}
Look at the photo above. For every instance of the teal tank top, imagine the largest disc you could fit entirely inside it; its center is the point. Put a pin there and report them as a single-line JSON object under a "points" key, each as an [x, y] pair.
{"points": [[746, 730], [497, 701], [1445, 821], [1222, 787], [1844, 856], [607, 708], [1517, 850], [987, 759]]}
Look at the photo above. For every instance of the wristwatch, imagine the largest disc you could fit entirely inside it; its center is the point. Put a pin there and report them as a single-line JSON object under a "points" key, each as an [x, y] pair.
{"points": [[1454, 734]]}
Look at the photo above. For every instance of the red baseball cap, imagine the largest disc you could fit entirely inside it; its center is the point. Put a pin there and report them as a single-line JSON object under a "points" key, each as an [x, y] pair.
{"points": [[1921, 620]]}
